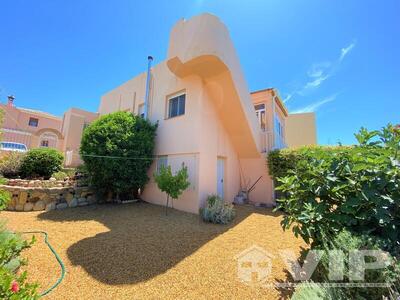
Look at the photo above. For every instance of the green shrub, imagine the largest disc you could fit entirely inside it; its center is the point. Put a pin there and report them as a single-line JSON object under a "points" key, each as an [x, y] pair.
{"points": [[11, 246], [346, 241], [60, 175], [313, 291], [355, 188], [41, 162], [5, 197], [118, 150], [216, 211], [10, 165], [15, 287]]}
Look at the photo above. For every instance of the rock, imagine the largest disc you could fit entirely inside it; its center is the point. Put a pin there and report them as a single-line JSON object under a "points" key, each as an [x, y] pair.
{"points": [[52, 179], [62, 205], [19, 207], [28, 206], [69, 197], [91, 199], [239, 200], [84, 203], [50, 206], [80, 200], [73, 203], [31, 183], [40, 205], [23, 196]]}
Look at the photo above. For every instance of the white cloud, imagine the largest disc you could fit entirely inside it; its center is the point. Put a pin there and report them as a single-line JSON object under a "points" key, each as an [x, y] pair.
{"points": [[320, 72], [346, 51], [314, 106]]}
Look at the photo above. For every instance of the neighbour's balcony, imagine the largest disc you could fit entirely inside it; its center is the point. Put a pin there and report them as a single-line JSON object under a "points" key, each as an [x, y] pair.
{"points": [[271, 141]]}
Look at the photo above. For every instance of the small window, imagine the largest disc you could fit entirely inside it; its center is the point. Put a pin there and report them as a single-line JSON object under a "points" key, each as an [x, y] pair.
{"points": [[34, 122], [176, 106], [44, 143], [141, 110], [162, 161]]}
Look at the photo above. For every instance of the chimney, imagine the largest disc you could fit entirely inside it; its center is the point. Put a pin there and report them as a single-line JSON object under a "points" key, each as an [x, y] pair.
{"points": [[147, 96], [10, 102]]}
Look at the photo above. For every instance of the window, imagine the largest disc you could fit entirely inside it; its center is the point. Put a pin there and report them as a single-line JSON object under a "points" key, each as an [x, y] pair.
{"points": [[162, 161], [261, 116], [176, 106], [141, 110], [44, 143], [33, 122], [85, 125]]}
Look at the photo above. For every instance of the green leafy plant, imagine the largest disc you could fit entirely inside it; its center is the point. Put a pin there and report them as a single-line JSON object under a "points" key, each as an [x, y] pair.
{"points": [[118, 150], [60, 175], [41, 162], [5, 197], [15, 287], [172, 185], [10, 165], [216, 211], [355, 188], [346, 241]]}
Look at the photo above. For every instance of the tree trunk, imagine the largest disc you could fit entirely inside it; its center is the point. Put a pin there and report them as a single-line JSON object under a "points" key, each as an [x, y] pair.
{"points": [[166, 207]]}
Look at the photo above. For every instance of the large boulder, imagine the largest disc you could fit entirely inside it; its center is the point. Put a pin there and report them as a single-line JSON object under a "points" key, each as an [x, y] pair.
{"points": [[28, 206], [40, 205]]}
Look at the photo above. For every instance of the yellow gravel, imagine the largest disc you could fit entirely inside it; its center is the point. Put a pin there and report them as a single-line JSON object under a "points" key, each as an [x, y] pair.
{"points": [[134, 251]]}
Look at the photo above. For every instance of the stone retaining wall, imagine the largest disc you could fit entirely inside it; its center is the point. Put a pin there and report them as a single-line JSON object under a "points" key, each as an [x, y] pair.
{"points": [[28, 198]]}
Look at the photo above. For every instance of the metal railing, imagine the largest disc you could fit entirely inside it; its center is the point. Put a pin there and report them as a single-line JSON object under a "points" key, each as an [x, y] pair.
{"points": [[271, 141]]}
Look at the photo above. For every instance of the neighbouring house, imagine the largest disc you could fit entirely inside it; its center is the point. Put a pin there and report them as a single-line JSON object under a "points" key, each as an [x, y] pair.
{"points": [[207, 117], [36, 129], [301, 130]]}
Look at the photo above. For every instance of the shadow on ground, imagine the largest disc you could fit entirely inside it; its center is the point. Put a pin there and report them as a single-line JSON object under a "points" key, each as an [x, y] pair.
{"points": [[142, 242]]}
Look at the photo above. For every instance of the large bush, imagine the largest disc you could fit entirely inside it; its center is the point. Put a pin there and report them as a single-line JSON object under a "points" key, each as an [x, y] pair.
{"points": [[118, 150], [217, 211], [41, 162], [355, 188], [10, 165]]}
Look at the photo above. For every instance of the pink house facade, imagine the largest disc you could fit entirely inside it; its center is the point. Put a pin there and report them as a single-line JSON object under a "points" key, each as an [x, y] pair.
{"points": [[207, 117], [36, 129]]}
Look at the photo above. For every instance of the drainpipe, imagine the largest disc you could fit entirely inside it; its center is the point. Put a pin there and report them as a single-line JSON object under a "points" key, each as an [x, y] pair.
{"points": [[273, 119], [147, 96]]}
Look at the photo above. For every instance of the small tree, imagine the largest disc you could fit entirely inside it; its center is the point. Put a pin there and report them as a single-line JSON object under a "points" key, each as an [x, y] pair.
{"points": [[172, 185]]}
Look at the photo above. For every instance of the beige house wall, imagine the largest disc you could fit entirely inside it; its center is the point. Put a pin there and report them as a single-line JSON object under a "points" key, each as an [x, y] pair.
{"points": [[219, 119], [301, 130]]}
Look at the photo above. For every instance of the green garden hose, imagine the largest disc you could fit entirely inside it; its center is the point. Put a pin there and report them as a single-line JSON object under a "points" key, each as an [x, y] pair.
{"points": [[57, 257]]}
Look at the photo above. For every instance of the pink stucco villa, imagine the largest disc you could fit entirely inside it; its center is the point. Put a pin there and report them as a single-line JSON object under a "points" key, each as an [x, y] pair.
{"points": [[33, 129], [207, 118]]}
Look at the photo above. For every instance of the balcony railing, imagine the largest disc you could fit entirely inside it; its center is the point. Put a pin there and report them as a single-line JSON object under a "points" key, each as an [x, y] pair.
{"points": [[271, 141]]}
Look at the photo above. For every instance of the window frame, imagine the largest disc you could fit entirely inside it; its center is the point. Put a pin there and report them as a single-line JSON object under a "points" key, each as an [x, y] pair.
{"points": [[162, 160], [168, 105], [31, 120]]}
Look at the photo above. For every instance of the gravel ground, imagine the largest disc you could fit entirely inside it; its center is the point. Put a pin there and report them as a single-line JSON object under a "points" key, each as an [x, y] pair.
{"points": [[134, 251]]}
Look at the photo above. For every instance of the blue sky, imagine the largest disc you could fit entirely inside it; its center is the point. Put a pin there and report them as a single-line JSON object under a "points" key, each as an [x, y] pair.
{"points": [[337, 58]]}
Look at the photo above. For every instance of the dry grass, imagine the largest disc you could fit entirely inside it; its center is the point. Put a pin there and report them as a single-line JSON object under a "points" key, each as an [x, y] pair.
{"points": [[136, 252]]}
